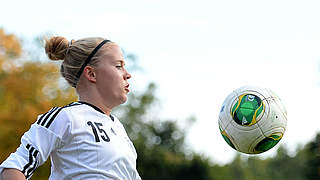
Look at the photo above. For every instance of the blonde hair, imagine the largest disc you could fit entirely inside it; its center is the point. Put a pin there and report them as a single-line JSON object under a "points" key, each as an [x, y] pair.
{"points": [[73, 54]]}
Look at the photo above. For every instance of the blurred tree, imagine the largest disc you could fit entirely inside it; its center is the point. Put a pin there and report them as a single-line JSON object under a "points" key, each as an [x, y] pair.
{"points": [[312, 168], [9, 46], [256, 168], [27, 89], [251, 167], [284, 166], [160, 144]]}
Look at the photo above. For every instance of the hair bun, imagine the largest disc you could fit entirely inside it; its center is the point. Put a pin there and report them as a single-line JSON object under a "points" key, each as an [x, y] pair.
{"points": [[56, 47]]}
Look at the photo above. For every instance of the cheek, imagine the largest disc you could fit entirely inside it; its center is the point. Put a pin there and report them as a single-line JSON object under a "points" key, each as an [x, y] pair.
{"points": [[109, 78]]}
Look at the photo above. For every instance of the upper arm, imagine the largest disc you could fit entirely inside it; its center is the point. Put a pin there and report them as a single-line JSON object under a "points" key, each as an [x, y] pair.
{"points": [[44, 137], [12, 174]]}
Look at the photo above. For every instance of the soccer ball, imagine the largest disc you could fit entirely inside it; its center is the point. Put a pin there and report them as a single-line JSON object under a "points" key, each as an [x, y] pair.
{"points": [[252, 120]]}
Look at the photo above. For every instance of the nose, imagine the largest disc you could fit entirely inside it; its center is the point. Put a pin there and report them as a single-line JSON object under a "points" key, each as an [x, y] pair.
{"points": [[127, 75]]}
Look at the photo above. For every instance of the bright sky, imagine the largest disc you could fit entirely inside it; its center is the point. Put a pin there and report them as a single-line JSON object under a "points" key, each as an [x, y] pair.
{"points": [[198, 52]]}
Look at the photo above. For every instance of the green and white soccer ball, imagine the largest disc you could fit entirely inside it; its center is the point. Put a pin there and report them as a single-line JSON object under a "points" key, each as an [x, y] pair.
{"points": [[252, 120]]}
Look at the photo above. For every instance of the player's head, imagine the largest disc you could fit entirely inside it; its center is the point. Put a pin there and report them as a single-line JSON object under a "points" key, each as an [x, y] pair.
{"points": [[92, 65]]}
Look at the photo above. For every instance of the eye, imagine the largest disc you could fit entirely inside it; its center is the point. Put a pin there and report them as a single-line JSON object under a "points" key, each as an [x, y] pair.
{"points": [[119, 66]]}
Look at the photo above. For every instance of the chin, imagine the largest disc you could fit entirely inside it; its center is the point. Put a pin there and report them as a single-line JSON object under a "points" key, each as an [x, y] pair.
{"points": [[123, 100]]}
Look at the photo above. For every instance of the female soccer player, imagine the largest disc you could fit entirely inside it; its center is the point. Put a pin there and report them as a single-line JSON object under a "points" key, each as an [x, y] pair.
{"points": [[83, 139]]}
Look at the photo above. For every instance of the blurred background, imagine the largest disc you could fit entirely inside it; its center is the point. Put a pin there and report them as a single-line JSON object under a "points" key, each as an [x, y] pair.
{"points": [[185, 58]]}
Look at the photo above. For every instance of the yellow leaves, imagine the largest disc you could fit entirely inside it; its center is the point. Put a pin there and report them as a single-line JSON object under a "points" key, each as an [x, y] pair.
{"points": [[9, 45], [27, 89], [35, 85]]}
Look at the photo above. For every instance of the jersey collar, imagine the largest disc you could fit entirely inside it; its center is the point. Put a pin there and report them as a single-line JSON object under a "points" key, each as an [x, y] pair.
{"points": [[96, 108], [93, 106]]}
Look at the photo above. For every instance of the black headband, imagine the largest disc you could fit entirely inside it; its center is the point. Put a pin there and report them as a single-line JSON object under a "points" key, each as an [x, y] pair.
{"points": [[90, 56]]}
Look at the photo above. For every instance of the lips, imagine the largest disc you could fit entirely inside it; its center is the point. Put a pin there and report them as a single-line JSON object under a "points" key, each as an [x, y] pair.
{"points": [[127, 88]]}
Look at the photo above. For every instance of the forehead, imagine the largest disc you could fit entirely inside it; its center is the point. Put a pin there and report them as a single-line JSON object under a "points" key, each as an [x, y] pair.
{"points": [[111, 51]]}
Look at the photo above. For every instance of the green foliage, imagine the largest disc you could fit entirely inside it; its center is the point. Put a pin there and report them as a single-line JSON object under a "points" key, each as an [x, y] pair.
{"points": [[159, 143], [279, 167], [312, 167]]}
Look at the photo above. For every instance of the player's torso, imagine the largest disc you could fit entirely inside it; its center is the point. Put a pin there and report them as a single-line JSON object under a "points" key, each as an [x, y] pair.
{"points": [[96, 143]]}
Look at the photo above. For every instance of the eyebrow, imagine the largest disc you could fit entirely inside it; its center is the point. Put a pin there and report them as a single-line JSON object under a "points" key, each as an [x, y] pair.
{"points": [[119, 60]]}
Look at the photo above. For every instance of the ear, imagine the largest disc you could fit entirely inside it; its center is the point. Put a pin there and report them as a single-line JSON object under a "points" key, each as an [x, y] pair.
{"points": [[90, 74]]}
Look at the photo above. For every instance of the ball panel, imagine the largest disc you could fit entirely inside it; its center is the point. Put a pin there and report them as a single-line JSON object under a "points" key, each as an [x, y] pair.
{"points": [[223, 122], [277, 117], [267, 143], [226, 138], [243, 139], [224, 115], [247, 109], [262, 93], [242, 128], [278, 101]]}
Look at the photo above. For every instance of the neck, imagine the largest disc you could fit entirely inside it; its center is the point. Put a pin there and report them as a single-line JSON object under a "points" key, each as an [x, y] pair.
{"points": [[96, 103], [94, 99]]}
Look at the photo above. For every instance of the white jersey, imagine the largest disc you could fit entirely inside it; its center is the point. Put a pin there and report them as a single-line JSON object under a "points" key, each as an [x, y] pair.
{"points": [[82, 142]]}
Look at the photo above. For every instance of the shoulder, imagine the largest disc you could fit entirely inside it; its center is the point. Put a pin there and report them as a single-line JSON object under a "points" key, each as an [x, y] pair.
{"points": [[54, 113], [115, 120], [118, 123], [58, 119]]}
